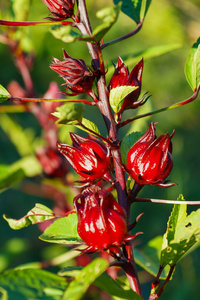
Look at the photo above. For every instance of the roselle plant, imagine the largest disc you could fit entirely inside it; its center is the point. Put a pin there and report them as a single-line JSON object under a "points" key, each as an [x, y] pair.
{"points": [[94, 179]]}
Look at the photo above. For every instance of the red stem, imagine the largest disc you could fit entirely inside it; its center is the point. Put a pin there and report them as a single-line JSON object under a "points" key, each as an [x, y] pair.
{"points": [[105, 109], [15, 23]]}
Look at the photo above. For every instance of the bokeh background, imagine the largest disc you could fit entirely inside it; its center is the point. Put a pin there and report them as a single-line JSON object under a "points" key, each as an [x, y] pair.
{"points": [[167, 22]]}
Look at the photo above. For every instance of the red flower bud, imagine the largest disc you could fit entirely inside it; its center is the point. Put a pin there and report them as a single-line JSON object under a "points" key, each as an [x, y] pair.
{"points": [[78, 78], [149, 161], [60, 9], [89, 157], [121, 77], [102, 222]]}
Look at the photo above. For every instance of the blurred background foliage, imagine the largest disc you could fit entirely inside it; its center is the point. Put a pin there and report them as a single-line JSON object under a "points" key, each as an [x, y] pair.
{"points": [[167, 22]]}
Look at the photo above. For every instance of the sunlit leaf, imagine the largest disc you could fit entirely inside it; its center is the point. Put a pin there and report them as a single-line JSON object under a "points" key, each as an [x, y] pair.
{"points": [[79, 286], [32, 284], [4, 94], [67, 35], [89, 124], [105, 283], [38, 214], [117, 95], [109, 16], [62, 231], [192, 66], [183, 232], [69, 113], [135, 9], [10, 175]]}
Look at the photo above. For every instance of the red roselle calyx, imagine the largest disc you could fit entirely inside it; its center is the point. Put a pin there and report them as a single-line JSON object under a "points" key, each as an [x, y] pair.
{"points": [[149, 161], [60, 9], [121, 77], [89, 157], [102, 222], [78, 78]]}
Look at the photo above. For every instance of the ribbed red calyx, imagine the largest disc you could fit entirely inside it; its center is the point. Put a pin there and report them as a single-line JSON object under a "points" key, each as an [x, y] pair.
{"points": [[60, 9], [149, 161]]}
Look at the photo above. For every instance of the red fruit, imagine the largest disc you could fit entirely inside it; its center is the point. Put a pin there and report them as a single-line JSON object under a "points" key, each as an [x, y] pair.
{"points": [[149, 161], [102, 222], [89, 157]]}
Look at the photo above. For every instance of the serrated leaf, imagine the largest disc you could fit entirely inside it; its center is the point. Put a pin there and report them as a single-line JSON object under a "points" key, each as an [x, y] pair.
{"points": [[109, 16], [89, 124], [117, 95], [192, 66], [78, 287], [32, 284], [69, 113], [135, 9], [38, 214], [9, 175], [149, 257], [182, 234], [62, 231], [127, 143], [4, 94]]}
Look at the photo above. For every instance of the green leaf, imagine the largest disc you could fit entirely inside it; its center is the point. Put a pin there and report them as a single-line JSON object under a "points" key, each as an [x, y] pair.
{"points": [[151, 52], [21, 9], [105, 283], [16, 133], [9, 175], [135, 9], [183, 232], [89, 124], [118, 94], [4, 94], [69, 113], [62, 231], [3, 294], [127, 143], [32, 284], [149, 257], [192, 66], [67, 35], [109, 16], [29, 164], [78, 287], [38, 214]]}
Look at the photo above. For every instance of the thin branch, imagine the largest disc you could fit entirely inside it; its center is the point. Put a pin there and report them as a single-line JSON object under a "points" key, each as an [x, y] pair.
{"points": [[15, 23], [162, 201], [192, 98], [51, 100], [126, 36]]}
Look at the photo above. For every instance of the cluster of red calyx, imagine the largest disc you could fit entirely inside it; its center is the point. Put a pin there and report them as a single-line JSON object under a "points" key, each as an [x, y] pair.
{"points": [[78, 78], [89, 157], [149, 161], [102, 222], [60, 9], [121, 77]]}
